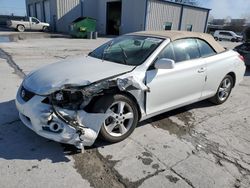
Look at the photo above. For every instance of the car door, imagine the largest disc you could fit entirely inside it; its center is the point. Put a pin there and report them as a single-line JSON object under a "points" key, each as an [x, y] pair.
{"points": [[171, 88], [35, 24]]}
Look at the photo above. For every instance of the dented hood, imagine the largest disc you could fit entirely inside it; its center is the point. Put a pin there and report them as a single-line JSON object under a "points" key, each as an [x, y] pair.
{"points": [[79, 71]]}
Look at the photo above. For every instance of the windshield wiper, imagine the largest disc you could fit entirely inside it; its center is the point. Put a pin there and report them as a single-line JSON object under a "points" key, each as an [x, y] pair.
{"points": [[106, 49], [125, 57]]}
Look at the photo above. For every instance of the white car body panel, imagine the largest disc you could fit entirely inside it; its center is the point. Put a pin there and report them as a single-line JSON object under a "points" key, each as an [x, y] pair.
{"points": [[157, 91], [77, 71], [175, 92]]}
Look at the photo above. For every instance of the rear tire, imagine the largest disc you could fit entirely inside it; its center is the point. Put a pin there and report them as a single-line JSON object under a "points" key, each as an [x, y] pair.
{"points": [[20, 28], [123, 119], [216, 38], [223, 91]]}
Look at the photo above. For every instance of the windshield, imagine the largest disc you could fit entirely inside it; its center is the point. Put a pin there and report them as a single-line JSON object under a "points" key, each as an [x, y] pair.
{"points": [[127, 49]]}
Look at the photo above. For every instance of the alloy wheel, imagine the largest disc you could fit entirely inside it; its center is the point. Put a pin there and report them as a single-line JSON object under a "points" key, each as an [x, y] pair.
{"points": [[120, 120]]}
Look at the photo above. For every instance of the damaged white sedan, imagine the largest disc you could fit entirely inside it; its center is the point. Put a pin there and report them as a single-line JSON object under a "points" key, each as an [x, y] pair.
{"points": [[126, 80]]}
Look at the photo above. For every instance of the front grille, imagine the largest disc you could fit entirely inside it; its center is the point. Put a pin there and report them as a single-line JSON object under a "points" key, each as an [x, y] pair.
{"points": [[26, 95]]}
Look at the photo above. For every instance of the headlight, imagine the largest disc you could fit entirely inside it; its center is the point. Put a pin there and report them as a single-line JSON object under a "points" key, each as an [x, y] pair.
{"points": [[67, 99], [79, 97]]}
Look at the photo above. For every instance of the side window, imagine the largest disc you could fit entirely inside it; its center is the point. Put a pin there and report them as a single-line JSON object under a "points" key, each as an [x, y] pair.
{"points": [[186, 49], [205, 49], [34, 20], [167, 52]]}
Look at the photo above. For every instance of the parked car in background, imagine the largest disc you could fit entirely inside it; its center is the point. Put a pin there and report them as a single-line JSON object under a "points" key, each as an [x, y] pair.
{"points": [[29, 23], [227, 35], [244, 50], [129, 79]]}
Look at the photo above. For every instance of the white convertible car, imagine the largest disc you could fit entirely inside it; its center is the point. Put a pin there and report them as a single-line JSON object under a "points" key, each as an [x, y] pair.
{"points": [[129, 79]]}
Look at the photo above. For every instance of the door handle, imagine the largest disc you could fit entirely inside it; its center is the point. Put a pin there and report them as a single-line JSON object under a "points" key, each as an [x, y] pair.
{"points": [[201, 70]]}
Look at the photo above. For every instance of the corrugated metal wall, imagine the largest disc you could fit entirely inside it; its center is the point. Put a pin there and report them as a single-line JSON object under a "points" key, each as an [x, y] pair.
{"points": [[132, 18], [161, 12], [133, 15], [195, 17], [67, 11]]}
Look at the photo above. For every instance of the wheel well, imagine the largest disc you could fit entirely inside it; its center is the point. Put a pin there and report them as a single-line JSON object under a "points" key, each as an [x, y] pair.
{"points": [[232, 74], [114, 90], [20, 24]]}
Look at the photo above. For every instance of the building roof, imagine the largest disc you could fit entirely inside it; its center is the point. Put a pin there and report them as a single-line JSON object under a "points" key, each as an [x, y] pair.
{"points": [[185, 4], [175, 35]]}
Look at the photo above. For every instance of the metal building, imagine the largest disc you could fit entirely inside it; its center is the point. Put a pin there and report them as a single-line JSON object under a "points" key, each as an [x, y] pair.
{"points": [[59, 13], [116, 17]]}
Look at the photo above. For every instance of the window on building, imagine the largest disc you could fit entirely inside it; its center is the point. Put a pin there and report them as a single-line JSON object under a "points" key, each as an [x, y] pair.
{"points": [[189, 27], [168, 26]]}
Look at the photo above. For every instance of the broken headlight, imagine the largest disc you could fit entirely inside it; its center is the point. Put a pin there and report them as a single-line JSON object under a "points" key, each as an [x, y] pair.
{"points": [[78, 97], [67, 99]]}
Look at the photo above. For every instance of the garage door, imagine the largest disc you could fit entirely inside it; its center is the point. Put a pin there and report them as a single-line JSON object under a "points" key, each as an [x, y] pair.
{"points": [[47, 11], [31, 11], [38, 11]]}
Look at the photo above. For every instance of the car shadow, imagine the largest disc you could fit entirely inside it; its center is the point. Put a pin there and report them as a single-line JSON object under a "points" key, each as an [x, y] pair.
{"points": [[183, 111], [179, 111], [17, 142]]}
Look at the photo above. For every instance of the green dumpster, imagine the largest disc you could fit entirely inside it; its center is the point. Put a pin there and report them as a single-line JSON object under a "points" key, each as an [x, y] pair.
{"points": [[82, 26]]}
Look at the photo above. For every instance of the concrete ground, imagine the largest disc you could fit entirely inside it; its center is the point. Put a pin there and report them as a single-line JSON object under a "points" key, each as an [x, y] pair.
{"points": [[199, 145]]}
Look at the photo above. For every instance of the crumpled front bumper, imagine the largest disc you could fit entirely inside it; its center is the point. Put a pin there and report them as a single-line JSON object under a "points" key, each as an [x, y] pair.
{"points": [[40, 118]]}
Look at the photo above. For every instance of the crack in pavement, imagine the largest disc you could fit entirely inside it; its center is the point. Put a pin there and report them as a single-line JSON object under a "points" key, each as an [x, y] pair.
{"points": [[209, 146], [12, 64], [100, 171], [183, 178], [11, 122]]}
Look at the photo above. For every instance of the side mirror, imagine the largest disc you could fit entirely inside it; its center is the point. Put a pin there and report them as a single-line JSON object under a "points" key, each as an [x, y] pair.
{"points": [[164, 63]]}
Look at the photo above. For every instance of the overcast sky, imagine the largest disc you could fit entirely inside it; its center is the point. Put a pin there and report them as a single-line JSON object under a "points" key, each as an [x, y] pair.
{"points": [[220, 8], [224, 8]]}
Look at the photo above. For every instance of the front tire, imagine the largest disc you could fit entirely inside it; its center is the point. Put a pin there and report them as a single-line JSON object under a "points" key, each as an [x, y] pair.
{"points": [[122, 120], [223, 91], [45, 29]]}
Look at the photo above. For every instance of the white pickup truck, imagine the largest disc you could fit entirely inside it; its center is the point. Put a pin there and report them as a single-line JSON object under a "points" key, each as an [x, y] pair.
{"points": [[29, 23]]}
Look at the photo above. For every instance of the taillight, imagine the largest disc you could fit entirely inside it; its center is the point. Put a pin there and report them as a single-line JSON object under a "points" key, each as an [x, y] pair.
{"points": [[242, 58]]}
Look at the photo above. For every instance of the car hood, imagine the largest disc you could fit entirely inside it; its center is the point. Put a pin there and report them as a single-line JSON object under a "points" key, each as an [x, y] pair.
{"points": [[79, 71]]}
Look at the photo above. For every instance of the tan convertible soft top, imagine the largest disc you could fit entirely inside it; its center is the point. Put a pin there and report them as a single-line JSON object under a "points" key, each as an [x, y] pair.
{"points": [[175, 35]]}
